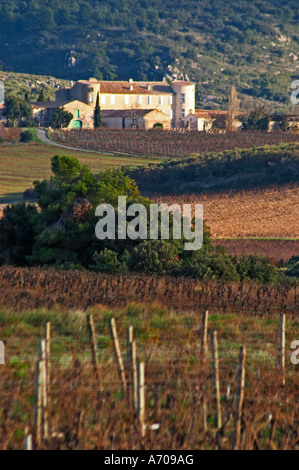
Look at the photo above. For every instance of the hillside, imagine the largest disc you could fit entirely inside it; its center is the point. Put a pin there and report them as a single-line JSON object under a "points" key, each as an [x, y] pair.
{"points": [[252, 44], [230, 170], [21, 83]]}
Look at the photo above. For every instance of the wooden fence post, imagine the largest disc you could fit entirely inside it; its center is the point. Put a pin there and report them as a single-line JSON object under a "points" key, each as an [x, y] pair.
{"points": [[141, 399], [48, 352], [282, 346], [204, 413], [134, 374], [93, 346], [44, 388], [239, 397], [131, 368], [28, 442], [38, 404], [216, 378], [204, 348], [129, 341], [118, 355]]}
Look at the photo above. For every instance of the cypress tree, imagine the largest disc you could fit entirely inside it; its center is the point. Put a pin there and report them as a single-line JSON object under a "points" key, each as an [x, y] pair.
{"points": [[42, 95], [97, 113]]}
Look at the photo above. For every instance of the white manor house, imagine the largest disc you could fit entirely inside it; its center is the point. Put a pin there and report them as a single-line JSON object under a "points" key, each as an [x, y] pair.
{"points": [[124, 104]]}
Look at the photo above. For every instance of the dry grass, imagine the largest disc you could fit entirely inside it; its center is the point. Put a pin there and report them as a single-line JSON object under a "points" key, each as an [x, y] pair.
{"points": [[267, 213], [21, 164], [177, 380]]}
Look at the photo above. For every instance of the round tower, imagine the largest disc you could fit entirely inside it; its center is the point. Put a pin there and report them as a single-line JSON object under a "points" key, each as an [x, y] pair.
{"points": [[184, 100]]}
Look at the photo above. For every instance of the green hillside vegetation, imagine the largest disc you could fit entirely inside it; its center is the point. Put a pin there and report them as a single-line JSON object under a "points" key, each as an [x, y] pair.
{"points": [[230, 170], [30, 86], [252, 44]]}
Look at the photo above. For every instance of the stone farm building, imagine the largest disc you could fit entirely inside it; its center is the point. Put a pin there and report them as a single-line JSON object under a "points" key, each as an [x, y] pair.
{"points": [[124, 104]]}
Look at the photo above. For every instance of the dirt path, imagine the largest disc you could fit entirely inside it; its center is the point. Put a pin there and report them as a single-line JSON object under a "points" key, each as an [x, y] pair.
{"points": [[42, 135]]}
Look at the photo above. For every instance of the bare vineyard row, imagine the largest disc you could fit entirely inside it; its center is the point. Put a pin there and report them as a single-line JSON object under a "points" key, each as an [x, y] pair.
{"points": [[167, 143], [25, 286]]}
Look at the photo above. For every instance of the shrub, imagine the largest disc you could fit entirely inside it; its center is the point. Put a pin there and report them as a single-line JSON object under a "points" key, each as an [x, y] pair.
{"points": [[293, 267], [107, 261], [258, 268], [27, 136], [211, 265], [153, 256]]}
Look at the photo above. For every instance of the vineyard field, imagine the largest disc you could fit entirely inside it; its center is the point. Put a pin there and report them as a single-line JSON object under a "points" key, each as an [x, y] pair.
{"points": [[266, 213], [22, 288], [169, 144], [276, 250]]}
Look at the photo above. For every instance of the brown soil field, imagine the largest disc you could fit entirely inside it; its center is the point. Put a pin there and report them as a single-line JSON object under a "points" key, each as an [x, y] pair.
{"points": [[267, 213], [275, 250]]}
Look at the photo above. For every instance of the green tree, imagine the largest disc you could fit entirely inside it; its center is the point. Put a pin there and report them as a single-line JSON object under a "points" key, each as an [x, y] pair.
{"points": [[65, 226], [16, 233], [42, 96], [258, 268], [17, 109], [97, 113], [61, 118], [258, 119]]}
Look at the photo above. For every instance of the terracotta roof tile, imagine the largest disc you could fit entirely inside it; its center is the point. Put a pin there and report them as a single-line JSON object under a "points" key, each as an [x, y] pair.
{"points": [[107, 113], [210, 113], [182, 82], [49, 104], [138, 88]]}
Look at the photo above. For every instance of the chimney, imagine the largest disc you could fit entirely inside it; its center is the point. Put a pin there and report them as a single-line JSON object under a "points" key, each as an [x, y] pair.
{"points": [[130, 80], [148, 87], [131, 87]]}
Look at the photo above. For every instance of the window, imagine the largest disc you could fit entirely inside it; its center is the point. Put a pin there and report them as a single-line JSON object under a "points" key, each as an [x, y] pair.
{"points": [[183, 97], [126, 99], [112, 99], [170, 113], [183, 113], [170, 100], [91, 98], [90, 90], [77, 112], [139, 100], [103, 99], [149, 100]]}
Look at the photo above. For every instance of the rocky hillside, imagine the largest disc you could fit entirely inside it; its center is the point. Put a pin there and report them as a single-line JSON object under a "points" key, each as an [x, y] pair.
{"points": [[252, 44]]}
